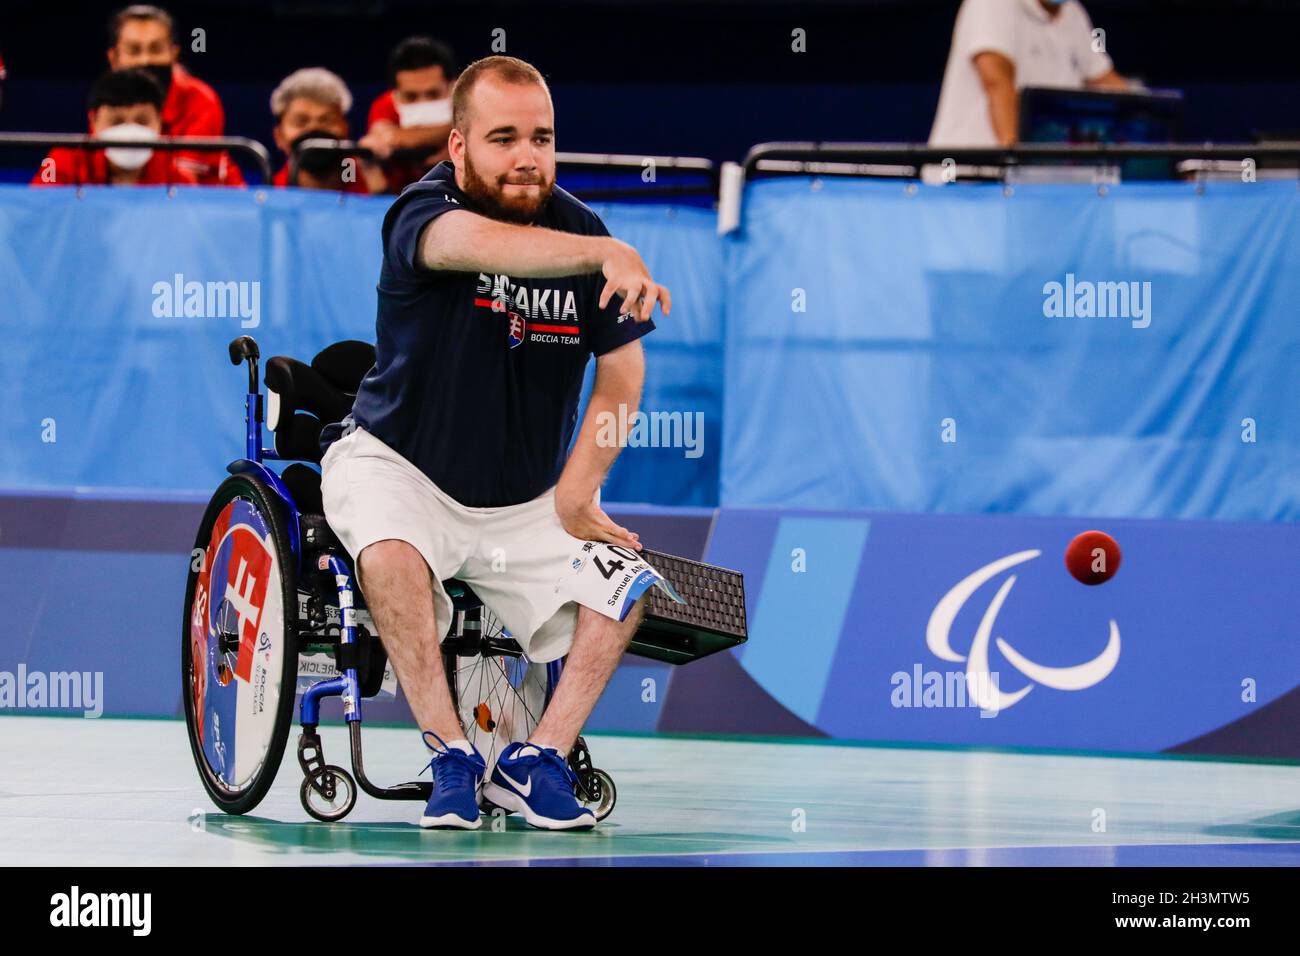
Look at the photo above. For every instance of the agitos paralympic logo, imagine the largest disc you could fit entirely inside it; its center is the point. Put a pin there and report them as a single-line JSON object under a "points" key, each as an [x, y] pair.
{"points": [[984, 690]]}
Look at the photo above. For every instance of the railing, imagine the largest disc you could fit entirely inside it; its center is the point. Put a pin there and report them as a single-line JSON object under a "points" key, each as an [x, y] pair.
{"points": [[850, 158], [906, 160], [589, 162], [250, 149], [628, 163], [325, 146]]}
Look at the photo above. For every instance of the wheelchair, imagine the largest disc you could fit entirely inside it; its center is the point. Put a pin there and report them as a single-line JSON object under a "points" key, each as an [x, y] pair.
{"points": [[270, 586]]}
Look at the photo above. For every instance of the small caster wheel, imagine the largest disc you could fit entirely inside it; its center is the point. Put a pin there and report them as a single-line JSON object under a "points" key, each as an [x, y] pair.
{"points": [[339, 798], [598, 793]]}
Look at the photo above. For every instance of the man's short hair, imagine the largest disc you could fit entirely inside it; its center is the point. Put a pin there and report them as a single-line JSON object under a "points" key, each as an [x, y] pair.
{"points": [[418, 53], [139, 11], [124, 88], [314, 83], [507, 68]]}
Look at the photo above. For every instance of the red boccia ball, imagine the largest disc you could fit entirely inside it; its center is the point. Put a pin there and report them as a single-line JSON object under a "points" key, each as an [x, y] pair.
{"points": [[1092, 557]]}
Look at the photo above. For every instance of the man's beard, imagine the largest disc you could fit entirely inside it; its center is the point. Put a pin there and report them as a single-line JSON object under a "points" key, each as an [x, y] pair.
{"points": [[496, 203]]}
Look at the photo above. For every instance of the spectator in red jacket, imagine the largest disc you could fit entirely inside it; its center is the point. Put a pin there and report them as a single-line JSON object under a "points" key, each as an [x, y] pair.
{"points": [[126, 105], [413, 118], [143, 37], [313, 103]]}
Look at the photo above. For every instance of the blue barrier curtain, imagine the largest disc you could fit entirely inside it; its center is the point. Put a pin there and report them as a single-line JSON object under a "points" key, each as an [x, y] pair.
{"points": [[907, 349]]}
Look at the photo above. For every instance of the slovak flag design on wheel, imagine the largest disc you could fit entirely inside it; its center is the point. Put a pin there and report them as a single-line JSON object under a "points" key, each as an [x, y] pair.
{"points": [[237, 609], [517, 328]]}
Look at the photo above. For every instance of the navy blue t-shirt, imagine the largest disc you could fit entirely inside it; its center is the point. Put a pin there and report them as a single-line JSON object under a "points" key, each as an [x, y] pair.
{"points": [[477, 377]]}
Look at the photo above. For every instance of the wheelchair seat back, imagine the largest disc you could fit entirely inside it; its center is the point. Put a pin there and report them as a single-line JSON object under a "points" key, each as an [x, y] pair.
{"points": [[302, 399]]}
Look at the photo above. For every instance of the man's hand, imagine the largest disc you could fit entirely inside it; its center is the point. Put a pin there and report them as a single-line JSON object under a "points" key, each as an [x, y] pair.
{"points": [[381, 140], [1110, 80], [583, 518], [617, 389], [627, 275]]}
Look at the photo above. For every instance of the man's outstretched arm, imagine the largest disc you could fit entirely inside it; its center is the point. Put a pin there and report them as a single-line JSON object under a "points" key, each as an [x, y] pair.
{"points": [[614, 398], [463, 241]]}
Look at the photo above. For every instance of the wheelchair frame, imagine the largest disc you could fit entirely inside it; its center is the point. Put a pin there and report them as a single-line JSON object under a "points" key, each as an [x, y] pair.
{"points": [[328, 792]]}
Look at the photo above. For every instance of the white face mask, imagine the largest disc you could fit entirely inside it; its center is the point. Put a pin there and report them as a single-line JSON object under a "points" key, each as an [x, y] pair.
{"points": [[424, 113], [128, 158]]}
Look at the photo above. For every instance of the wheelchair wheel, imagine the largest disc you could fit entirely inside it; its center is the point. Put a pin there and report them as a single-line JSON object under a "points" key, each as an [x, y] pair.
{"points": [[339, 798], [500, 697], [598, 793], [239, 649]]}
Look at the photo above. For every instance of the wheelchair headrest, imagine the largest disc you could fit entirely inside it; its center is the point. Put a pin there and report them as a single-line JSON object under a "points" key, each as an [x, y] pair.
{"points": [[302, 399], [344, 364]]}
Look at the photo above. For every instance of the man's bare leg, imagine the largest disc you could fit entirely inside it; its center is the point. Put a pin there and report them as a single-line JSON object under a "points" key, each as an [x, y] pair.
{"points": [[598, 645], [399, 592]]}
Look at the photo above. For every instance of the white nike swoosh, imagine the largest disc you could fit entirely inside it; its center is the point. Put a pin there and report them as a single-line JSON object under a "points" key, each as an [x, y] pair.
{"points": [[523, 788]]}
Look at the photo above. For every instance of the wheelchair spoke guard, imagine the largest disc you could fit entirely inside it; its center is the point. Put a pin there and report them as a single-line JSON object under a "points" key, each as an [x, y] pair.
{"points": [[499, 693], [238, 646]]}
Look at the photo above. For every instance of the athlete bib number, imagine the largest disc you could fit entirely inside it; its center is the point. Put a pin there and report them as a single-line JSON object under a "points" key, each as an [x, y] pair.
{"points": [[608, 579]]}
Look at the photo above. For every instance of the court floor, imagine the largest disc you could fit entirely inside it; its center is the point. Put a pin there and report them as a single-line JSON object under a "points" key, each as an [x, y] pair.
{"points": [[125, 792]]}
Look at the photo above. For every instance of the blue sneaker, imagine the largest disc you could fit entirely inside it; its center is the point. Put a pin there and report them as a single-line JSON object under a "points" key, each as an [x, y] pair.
{"points": [[456, 776], [541, 785]]}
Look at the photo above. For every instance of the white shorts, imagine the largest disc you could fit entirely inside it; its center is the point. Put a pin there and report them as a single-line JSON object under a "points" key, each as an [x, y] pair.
{"points": [[512, 556]]}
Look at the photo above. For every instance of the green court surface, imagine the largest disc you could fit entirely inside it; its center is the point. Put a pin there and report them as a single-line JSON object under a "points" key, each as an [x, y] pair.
{"points": [[125, 792]]}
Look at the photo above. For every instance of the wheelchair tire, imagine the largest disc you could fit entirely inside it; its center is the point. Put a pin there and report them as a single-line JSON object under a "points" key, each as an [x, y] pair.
{"points": [[603, 806], [342, 791], [239, 653]]}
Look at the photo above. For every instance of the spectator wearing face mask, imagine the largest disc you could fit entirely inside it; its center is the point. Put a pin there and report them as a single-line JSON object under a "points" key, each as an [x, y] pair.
{"points": [[143, 37], [124, 105], [409, 124], [313, 103]]}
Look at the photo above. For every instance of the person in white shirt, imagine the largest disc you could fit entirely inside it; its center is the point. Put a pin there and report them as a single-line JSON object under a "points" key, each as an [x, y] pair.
{"points": [[1001, 46]]}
